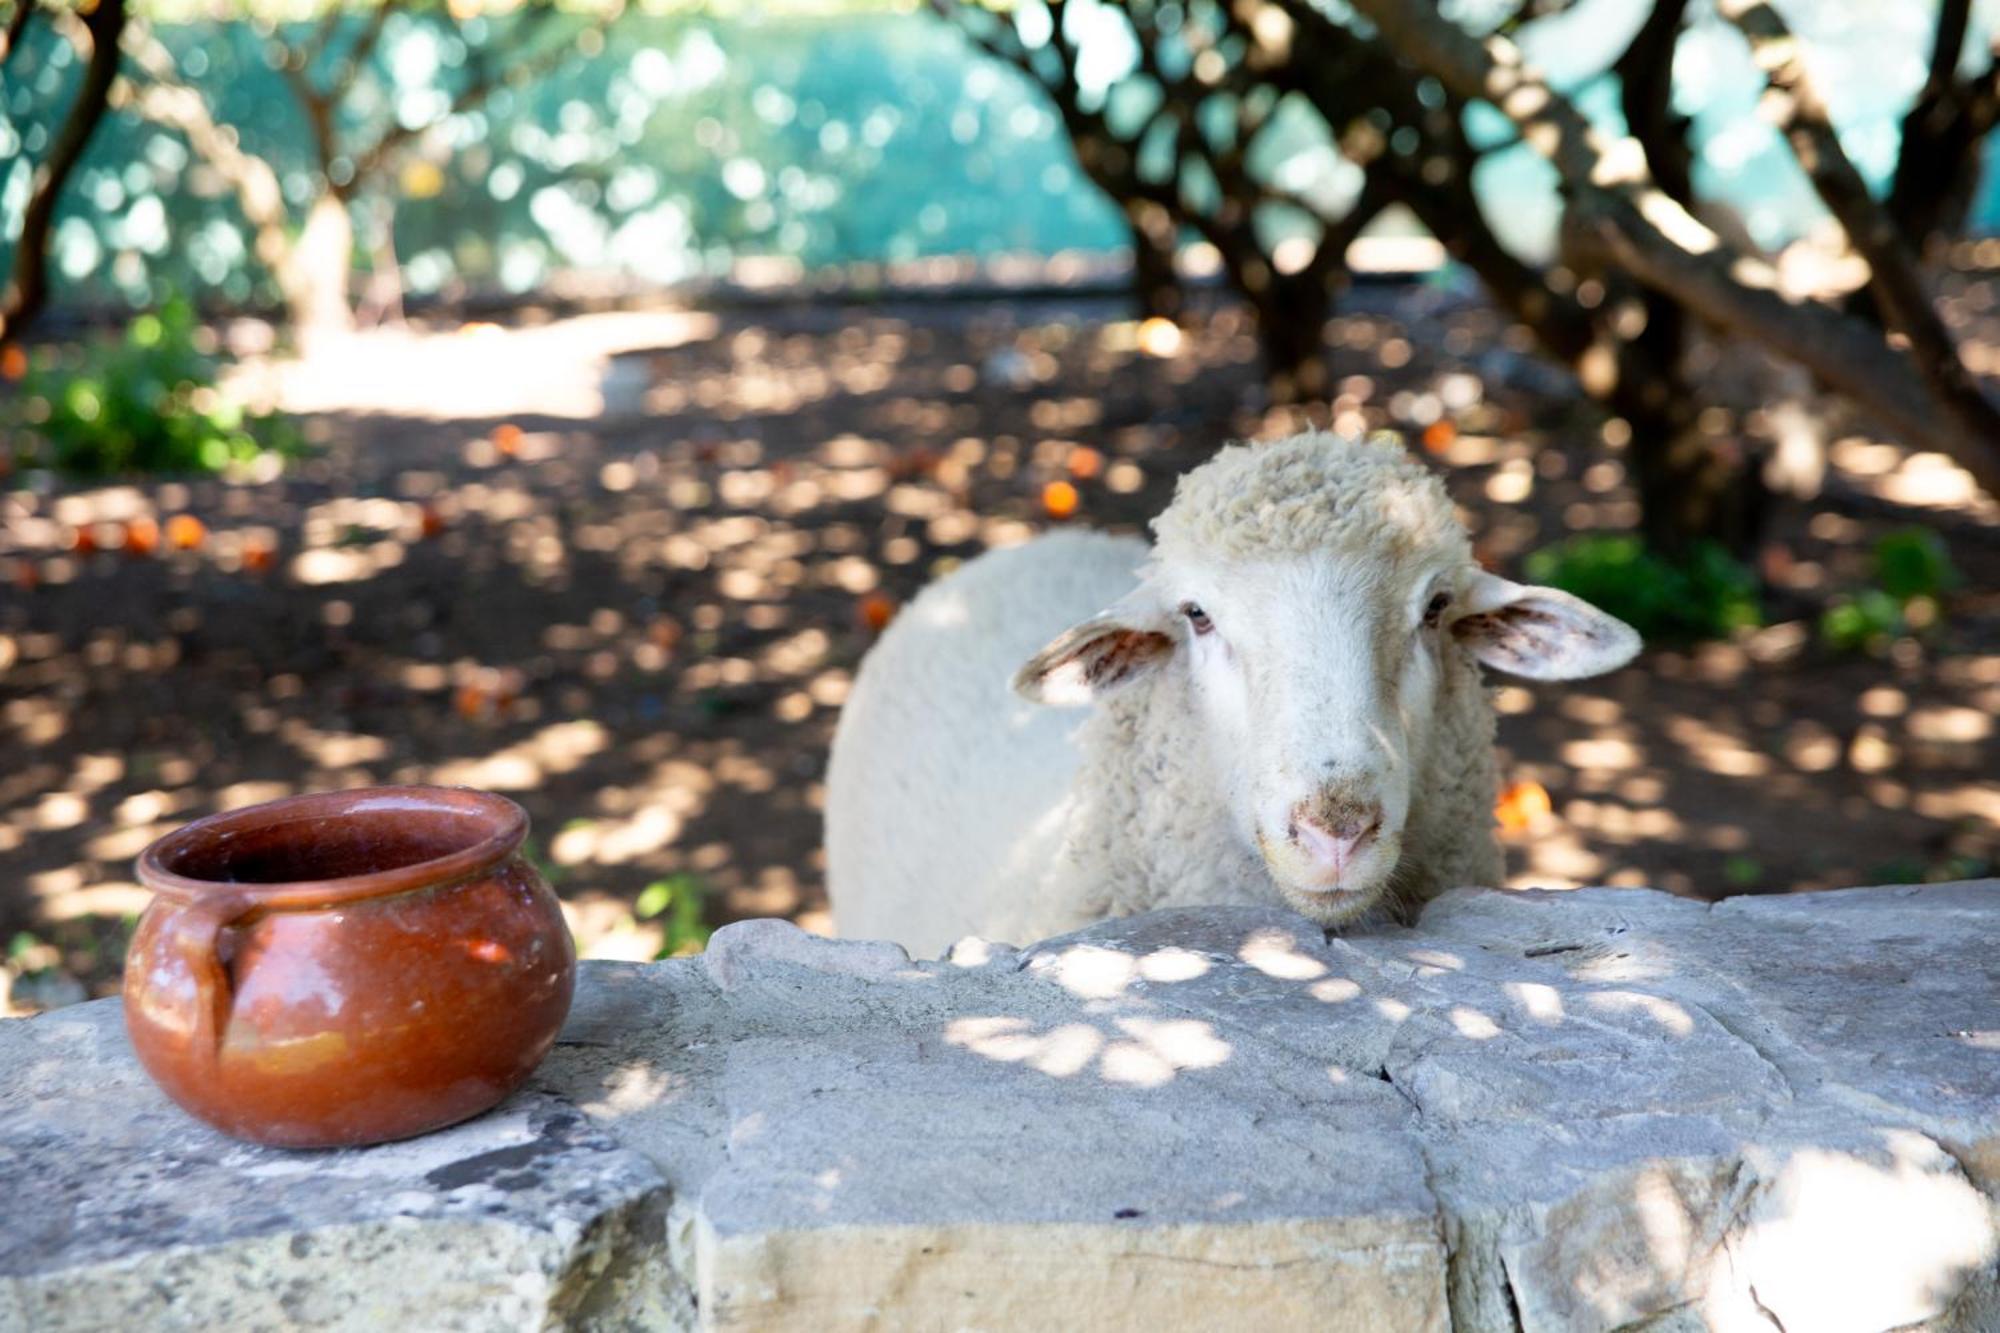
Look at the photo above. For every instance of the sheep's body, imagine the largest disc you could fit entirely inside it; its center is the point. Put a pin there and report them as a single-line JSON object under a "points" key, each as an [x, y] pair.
{"points": [[955, 808], [1285, 706], [947, 792]]}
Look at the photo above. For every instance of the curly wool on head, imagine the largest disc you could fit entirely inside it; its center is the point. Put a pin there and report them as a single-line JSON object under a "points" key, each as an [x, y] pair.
{"points": [[1314, 492]]}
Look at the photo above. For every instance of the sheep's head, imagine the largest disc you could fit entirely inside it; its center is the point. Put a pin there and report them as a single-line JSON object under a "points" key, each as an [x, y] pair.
{"points": [[1321, 597]]}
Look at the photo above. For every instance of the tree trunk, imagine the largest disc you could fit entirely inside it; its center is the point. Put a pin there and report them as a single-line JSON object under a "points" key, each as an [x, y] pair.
{"points": [[1693, 487], [1291, 329], [313, 276], [1155, 285]]}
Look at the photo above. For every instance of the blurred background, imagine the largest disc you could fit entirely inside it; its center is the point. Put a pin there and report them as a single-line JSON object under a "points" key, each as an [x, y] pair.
{"points": [[558, 398]]}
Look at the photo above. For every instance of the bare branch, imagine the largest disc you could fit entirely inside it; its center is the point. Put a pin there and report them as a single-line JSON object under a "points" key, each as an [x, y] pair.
{"points": [[1657, 241], [17, 23], [363, 49], [512, 72], [1646, 92], [161, 97], [28, 290], [1941, 136], [1893, 278]]}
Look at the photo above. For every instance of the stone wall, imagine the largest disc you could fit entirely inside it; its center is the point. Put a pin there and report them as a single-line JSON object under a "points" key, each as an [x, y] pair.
{"points": [[1589, 1110]]}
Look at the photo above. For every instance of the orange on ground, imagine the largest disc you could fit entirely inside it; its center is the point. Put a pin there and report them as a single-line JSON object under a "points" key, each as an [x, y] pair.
{"points": [[1085, 462], [1059, 499], [507, 438], [918, 462], [13, 362], [142, 536], [876, 611], [258, 555], [433, 521], [185, 532], [83, 541], [1438, 436], [1521, 805]]}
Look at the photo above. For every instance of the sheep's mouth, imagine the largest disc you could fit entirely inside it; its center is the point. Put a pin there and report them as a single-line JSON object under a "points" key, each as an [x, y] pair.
{"points": [[1331, 906]]}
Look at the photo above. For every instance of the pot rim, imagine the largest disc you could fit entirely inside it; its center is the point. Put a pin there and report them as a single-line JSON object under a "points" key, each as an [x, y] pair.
{"points": [[506, 829]]}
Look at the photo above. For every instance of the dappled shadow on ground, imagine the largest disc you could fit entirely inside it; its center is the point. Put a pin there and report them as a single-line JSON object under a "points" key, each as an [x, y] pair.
{"points": [[638, 610]]}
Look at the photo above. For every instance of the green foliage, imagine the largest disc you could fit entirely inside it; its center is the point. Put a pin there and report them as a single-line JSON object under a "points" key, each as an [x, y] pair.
{"points": [[1707, 596], [1742, 873], [551, 873], [1912, 571], [1913, 562], [1868, 621], [145, 402], [677, 902]]}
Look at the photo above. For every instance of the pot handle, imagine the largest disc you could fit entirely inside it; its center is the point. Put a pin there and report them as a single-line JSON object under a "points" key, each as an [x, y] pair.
{"points": [[194, 936]]}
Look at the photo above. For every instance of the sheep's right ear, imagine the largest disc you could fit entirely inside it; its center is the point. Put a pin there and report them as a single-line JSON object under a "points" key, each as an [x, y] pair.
{"points": [[1092, 658]]}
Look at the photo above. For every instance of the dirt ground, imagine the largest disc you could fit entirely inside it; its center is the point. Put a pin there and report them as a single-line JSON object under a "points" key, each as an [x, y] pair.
{"points": [[631, 588]]}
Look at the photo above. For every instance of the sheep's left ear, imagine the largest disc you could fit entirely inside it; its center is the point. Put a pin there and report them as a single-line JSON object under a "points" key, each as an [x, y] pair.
{"points": [[1541, 633], [1093, 656]]}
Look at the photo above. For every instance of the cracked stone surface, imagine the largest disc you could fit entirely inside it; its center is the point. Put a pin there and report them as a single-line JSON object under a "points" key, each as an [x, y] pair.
{"points": [[1589, 1110]]}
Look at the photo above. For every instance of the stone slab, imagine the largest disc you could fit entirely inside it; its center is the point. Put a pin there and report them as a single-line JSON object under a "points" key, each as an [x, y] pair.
{"points": [[1579, 1111], [122, 1212]]}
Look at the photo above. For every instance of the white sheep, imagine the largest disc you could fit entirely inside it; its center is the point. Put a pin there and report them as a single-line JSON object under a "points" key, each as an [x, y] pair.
{"points": [[1287, 707]]}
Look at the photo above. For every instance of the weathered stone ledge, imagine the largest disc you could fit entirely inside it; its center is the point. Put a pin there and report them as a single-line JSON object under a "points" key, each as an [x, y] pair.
{"points": [[1589, 1110]]}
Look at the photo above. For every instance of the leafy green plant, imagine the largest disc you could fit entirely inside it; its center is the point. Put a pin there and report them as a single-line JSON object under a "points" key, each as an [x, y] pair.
{"points": [[1913, 570], [1913, 562], [143, 402], [1708, 595], [676, 902]]}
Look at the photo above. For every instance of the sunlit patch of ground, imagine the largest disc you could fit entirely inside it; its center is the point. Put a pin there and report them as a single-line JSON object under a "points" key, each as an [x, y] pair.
{"points": [[634, 600]]}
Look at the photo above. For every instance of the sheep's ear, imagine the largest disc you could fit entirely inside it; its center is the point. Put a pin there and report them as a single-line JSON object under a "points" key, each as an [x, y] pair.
{"points": [[1541, 633], [1094, 657]]}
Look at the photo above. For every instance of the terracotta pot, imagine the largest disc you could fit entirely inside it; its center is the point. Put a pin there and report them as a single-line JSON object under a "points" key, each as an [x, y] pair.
{"points": [[348, 967]]}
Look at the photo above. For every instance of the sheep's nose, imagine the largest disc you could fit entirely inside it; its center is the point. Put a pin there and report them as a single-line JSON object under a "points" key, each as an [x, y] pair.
{"points": [[1334, 832]]}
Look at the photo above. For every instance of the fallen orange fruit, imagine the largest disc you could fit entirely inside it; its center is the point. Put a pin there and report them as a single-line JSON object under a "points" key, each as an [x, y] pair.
{"points": [[877, 610], [433, 521], [13, 362], [1085, 462], [258, 555], [1060, 499], [185, 532], [142, 536], [1438, 436], [507, 438], [1521, 805]]}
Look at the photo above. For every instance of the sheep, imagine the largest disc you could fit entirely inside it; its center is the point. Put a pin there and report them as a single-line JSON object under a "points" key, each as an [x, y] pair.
{"points": [[1285, 708]]}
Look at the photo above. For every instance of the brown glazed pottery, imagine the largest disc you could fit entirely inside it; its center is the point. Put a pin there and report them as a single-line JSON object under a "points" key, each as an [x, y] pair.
{"points": [[348, 967]]}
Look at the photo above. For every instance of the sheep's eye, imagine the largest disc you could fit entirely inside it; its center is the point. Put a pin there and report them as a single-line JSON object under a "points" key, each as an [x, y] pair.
{"points": [[1197, 618], [1435, 611]]}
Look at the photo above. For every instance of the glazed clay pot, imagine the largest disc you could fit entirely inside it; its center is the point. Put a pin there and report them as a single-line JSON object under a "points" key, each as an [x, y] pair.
{"points": [[348, 967]]}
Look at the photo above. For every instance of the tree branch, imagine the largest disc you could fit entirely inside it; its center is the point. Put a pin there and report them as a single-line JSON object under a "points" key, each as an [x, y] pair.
{"points": [[483, 84], [17, 23], [1941, 136], [164, 99], [1646, 93], [1657, 241], [1893, 278], [28, 290]]}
